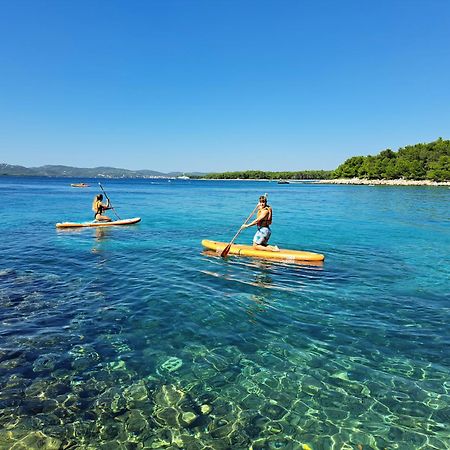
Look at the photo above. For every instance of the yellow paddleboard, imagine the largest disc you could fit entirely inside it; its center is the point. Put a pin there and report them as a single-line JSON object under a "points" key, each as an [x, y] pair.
{"points": [[248, 250]]}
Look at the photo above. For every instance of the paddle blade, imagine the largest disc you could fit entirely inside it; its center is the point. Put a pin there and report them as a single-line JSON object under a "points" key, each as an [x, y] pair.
{"points": [[225, 251]]}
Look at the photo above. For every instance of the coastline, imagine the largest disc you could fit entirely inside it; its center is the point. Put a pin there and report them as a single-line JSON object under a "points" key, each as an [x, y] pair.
{"points": [[345, 181], [397, 182]]}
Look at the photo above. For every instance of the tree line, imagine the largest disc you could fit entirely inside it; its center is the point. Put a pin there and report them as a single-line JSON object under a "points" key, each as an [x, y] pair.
{"points": [[266, 175], [428, 161]]}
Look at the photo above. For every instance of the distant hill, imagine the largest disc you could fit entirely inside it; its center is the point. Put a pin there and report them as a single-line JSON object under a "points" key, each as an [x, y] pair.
{"points": [[77, 172]]}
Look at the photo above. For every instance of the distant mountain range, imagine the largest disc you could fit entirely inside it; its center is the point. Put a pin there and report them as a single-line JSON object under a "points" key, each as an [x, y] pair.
{"points": [[77, 172]]}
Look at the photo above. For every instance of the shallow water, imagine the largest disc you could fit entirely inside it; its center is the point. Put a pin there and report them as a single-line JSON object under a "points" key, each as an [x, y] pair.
{"points": [[131, 337]]}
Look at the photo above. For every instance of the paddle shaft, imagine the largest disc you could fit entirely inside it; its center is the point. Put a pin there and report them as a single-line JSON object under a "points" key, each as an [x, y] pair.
{"points": [[226, 250], [109, 201]]}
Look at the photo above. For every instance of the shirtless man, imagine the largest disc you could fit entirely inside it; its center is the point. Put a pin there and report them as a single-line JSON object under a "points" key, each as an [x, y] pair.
{"points": [[263, 221]]}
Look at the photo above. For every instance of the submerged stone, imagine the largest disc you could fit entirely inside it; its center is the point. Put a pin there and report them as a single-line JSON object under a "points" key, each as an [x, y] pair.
{"points": [[188, 418], [137, 392], [45, 362], [167, 417], [205, 409], [169, 395], [136, 423], [172, 364], [37, 440]]}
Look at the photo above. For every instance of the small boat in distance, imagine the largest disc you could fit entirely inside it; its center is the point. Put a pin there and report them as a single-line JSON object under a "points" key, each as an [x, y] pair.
{"points": [[81, 185], [282, 182], [183, 177]]}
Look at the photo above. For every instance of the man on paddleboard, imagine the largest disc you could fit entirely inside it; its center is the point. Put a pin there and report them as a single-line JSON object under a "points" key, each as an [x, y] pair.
{"points": [[263, 221], [98, 207]]}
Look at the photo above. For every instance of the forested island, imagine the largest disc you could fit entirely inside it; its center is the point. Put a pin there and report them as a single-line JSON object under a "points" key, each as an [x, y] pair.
{"points": [[429, 161]]}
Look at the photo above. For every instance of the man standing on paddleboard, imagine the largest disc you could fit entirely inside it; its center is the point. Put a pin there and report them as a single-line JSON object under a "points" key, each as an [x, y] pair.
{"points": [[263, 221]]}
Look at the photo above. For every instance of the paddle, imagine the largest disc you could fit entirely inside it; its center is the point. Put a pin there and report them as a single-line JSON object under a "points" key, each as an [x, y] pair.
{"points": [[109, 201], [226, 250]]}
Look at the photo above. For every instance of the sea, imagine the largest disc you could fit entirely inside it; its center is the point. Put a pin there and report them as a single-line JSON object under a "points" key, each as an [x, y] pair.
{"points": [[134, 338]]}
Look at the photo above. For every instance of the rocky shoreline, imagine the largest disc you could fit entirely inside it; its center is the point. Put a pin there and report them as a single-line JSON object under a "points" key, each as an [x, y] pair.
{"points": [[398, 182]]}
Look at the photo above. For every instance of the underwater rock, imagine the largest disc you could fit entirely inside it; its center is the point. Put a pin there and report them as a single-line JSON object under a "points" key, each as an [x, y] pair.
{"points": [[252, 402], [12, 363], [62, 413], [111, 445], [171, 365], [136, 393], [190, 442], [31, 406], [84, 356], [257, 425], [273, 411], [188, 418], [45, 362], [117, 365], [135, 422], [84, 351], [17, 382], [167, 416], [223, 407], [217, 381], [220, 428], [231, 353], [49, 405], [37, 389], [218, 362], [174, 408], [205, 409], [109, 430], [161, 438], [311, 386], [110, 401], [37, 440], [169, 395], [275, 443], [57, 388], [274, 427], [81, 364], [250, 386], [41, 421]]}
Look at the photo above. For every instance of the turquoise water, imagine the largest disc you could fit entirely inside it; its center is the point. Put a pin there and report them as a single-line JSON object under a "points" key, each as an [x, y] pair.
{"points": [[131, 337]]}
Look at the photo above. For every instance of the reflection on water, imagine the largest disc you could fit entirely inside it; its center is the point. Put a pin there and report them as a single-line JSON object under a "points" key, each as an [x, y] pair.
{"points": [[265, 262], [101, 234]]}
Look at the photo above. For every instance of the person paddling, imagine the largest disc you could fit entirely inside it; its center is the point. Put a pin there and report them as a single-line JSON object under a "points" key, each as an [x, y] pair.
{"points": [[263, 221], [98, 207]]}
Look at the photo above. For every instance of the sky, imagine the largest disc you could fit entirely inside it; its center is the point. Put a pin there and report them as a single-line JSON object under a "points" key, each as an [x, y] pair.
{"points": [[191, 85]]}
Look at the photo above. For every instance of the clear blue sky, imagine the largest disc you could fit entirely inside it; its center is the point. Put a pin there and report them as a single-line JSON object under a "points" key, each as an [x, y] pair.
{"points": [[220, 85]]}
